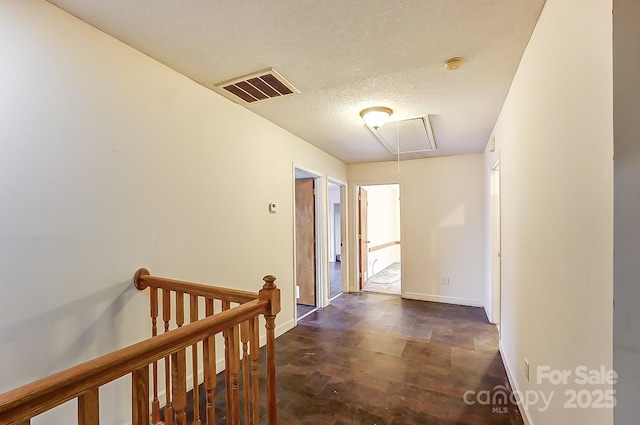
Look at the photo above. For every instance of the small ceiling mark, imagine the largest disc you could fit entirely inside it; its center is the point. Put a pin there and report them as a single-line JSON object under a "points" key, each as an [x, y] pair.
{"points": [[259, 86]]}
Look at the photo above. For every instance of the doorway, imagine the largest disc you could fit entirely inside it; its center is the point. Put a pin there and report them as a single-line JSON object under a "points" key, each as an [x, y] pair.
{"points": [[496, 254], [379, 239], [335, 238], [306, 258]]}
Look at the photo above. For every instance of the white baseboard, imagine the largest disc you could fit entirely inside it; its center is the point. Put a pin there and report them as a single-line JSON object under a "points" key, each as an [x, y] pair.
{"points": [[443, 299], [523, 412]]}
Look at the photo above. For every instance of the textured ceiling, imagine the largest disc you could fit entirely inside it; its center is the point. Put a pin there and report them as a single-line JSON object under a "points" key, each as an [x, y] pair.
{"points": [[343, 57]]}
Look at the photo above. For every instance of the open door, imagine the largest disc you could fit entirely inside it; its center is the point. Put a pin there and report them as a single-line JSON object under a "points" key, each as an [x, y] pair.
{"points": [[363, 242], [306, 241]]}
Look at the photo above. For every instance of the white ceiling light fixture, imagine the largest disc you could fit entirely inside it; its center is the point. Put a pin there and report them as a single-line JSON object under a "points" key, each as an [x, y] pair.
{"points": [[376, 116], [453, 63]]}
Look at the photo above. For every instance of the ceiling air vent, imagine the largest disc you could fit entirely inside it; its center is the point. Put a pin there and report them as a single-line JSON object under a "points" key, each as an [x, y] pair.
{"points": [[263, 85]]}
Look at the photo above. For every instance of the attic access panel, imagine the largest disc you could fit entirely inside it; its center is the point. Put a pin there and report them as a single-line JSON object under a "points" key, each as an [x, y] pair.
{"points": [[259, 86], [410, 136]]}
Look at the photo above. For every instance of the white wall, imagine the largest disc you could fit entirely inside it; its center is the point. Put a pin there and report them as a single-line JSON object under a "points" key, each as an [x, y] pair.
{"points": [[442, 224], [626, 109], [110, 162], [555, 140], [383, 225]]}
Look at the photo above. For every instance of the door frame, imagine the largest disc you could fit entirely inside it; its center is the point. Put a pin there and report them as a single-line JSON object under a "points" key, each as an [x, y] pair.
{"points": [[362, 235], [306, 237], [320, 217], [343, 237], [495, 229], [355, 287]]}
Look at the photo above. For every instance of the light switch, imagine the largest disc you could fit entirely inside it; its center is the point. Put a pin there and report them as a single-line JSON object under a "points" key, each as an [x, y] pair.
{"points": [[273, 208]]}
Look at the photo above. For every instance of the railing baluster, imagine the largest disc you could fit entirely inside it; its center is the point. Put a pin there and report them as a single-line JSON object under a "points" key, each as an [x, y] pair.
{"points": [[179, 308], [155, 405], [234, 366], [226, 305], [246, 366], [166, 317], [89, 408], [179, 388], [209, 365], [193, 316], [255, 359], [140, 396], [179, 385]]}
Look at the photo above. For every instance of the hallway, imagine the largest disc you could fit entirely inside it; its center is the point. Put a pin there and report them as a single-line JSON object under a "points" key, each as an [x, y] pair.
{"points": [[379, 359]]}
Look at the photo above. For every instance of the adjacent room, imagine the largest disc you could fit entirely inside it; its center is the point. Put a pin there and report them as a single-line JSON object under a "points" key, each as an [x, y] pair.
{"points": [[381, 209]]}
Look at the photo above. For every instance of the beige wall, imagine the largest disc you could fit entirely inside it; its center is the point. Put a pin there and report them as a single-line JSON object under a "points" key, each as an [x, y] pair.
{"points": [[555, 141], [442, 219], [110, 162]]}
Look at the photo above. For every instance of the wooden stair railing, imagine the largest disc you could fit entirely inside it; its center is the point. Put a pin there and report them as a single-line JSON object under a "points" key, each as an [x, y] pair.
{"points": [[237, 318]]}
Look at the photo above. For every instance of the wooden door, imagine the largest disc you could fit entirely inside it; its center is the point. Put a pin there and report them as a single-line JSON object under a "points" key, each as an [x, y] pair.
{"points": [[363, 241], [306, 241]]}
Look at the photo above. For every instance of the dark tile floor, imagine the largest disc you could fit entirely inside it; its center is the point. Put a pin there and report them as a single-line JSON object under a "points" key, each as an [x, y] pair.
{"points": [[335, 279], [379, 359], [303, 309], [335, 288]]}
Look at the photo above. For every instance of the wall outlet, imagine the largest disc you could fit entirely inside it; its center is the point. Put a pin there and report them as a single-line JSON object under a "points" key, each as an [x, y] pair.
{"points": [[526, 369], [445, 281]]}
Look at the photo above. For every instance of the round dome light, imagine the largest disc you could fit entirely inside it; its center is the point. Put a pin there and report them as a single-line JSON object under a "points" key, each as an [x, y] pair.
{"points": [[376, 117]]}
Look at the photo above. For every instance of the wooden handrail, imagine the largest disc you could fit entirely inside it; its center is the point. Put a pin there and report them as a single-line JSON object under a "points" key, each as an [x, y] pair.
{"points": [[383, 246], [142, 279], [37, 397], [18, 406]]}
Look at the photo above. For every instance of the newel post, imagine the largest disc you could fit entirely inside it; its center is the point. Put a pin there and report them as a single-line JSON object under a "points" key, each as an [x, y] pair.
{"points": [[271, 294]]}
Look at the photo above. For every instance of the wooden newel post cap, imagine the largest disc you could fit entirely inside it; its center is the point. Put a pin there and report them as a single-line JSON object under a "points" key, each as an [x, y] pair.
{"points": [[137, 278], [269, 282], [271, 293]]}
